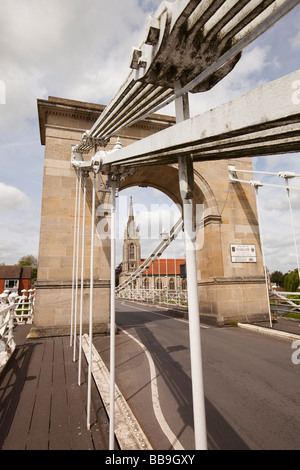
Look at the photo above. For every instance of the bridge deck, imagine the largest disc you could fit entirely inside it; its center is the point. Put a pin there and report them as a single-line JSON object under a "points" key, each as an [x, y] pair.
{"points": [[41, 405]]}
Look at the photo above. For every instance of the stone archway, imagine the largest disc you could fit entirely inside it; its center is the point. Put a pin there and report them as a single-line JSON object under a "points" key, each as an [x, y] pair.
{"points": [[227, 291]]}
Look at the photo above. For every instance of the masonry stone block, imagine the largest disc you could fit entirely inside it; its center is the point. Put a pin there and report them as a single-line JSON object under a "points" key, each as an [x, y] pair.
{"points": [[225, 288]]}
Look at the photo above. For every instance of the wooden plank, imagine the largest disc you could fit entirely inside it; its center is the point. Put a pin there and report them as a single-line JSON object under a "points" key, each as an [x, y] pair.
{"points": [[41, 405], [59, 423], [38, 437], [80, 437], [25, 396], [11, 383]]}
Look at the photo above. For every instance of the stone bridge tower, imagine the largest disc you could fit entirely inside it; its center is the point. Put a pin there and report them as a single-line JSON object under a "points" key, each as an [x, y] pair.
{"points": [[230, 287], [131, 246]]}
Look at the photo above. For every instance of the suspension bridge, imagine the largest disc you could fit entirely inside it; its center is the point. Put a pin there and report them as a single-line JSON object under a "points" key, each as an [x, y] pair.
{"points": [[189, 158]]}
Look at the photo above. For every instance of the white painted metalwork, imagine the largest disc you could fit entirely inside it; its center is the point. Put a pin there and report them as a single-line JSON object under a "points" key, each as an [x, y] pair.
{"points": [[74, 261], [285, 302], [24, 307], [89, 390], [14, 309], [270, 127], [112, 313], [215, 33], [282, 174], [82, 279], [7, 342], [186, 183], [287, 175], [257, 186], [77, 266], [150, 85], [165, 297], [162, 246]]}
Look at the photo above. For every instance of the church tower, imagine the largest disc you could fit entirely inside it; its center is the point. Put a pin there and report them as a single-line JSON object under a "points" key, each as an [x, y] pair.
{"points": [[131, 247]]}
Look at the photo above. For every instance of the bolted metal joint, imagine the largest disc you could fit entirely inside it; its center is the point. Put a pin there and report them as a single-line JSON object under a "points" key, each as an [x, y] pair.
{"points": [[153, 32], [135, 58]]}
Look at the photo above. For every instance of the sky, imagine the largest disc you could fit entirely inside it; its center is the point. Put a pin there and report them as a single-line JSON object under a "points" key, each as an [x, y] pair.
{"points": [[79, 49]]}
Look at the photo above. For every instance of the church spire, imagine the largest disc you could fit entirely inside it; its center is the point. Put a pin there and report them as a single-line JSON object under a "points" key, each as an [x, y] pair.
{"points": [[131, 247], [131, 216], [132, 231]]}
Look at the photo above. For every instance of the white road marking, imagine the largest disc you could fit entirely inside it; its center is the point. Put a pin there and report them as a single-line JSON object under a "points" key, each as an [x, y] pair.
{"points": [[162, 315], [155, 397]]}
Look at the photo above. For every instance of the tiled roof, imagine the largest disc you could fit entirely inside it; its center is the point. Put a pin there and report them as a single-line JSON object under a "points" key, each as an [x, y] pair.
{"points": [[15, 272], [164, 266]]}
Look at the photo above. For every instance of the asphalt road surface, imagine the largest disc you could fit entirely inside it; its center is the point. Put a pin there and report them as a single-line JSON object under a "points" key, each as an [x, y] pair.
{"points": [[252, 386]]}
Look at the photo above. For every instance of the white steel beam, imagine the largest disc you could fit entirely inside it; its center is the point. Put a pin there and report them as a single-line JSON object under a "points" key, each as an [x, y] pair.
{"points": [[263, 122], [206, 39], [186, 184]]}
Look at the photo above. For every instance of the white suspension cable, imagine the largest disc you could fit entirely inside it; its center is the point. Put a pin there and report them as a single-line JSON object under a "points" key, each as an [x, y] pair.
{"points": [[77, 265], [112, 316], [82, 279], [287, 175], [263, 254], [74, 261], [91, 307], [292, 222], [254, 183], [163, 245], [281, 173]]}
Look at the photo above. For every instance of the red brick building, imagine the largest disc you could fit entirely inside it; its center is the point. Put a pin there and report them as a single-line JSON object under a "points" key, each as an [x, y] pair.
{"points": [[15, 278]]}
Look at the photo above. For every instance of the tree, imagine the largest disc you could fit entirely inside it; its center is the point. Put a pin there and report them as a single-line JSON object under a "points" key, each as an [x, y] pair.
{"points": [[291, 281], [28, 260], [278, 278]]}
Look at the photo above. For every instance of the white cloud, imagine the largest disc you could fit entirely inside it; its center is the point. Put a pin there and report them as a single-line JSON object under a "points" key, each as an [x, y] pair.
{"points": [[68, 49], [12, 199], [295, 41], [79, 49], [246, 76], [19, 230]]}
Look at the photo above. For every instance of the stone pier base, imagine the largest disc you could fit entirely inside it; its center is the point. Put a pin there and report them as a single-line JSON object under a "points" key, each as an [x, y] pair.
{"points": [[53, 308], [225, 301]]}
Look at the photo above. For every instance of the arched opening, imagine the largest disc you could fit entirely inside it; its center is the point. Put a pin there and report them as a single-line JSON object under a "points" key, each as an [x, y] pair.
{"points": [[152, 214], [208, 218], [131, 251]]}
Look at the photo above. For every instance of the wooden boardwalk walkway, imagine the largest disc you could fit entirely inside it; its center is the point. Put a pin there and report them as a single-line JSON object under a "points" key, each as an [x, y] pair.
{"points": [[41, 405]]}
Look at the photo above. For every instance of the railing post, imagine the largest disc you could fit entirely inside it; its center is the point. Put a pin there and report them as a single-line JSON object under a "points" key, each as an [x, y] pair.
{"points": [[82, 279], [90, 353], [112, 314], [30, 305], [77, 267], [186, 182]]}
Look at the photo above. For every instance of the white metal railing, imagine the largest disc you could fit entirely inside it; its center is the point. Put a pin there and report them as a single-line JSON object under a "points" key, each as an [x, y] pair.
{"points": [[146, 90], [159, 296], [284, 302], [157, 79], [7, 342], [156, 254], [25, 307], [14, 309]]}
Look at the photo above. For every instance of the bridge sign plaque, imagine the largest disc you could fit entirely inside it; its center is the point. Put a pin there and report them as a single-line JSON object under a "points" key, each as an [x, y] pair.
{"points": [[243, 254]]}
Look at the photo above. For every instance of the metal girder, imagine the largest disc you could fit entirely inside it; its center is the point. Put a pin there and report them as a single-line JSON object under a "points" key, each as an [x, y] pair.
{"points": [[194, 42], [266, 121], [163, 245]]}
